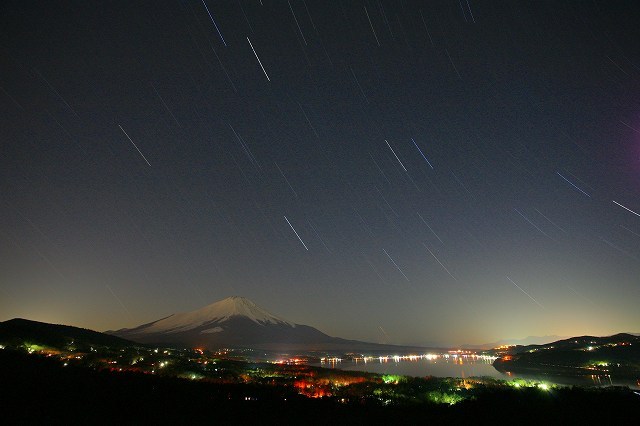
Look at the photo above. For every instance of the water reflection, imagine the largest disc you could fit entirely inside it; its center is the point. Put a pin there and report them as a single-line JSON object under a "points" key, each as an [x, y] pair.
{"points": [[440, 365], [455, 365]]}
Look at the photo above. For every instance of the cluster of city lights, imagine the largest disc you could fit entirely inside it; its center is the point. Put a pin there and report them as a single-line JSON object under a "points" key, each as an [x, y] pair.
{"points": [[454, 355]]}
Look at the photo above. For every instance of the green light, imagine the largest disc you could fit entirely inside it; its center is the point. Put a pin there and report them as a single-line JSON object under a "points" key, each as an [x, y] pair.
{"points": [[392, 378], [444, 398], [31, 348]]}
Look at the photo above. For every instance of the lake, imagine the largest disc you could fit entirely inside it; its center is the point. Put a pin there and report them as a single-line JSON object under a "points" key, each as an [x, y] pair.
{"points": [[459, 366], [432, 365]]}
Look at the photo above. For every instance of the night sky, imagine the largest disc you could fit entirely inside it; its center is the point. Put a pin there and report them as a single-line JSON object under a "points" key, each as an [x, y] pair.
{"points": [[392, 171]]}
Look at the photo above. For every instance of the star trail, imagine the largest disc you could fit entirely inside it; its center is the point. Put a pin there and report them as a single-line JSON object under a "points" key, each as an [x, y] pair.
{"points": [[353, 165]]}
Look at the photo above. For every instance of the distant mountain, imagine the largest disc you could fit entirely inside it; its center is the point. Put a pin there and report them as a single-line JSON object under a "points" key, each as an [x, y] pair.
{"points": [[529, 340], [617, 355], [19, 331], [237, 322]]}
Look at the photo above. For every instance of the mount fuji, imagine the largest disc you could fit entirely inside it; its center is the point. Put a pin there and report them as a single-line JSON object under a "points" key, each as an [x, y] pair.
{"points": [[239, 323]]}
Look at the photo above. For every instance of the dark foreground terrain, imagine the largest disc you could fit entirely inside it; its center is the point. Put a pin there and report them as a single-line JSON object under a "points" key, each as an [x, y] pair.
{"points": [[40, 389]]}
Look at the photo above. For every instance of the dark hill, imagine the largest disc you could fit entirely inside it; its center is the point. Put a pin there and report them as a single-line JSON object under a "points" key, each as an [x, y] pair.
{"points": [[18, 331], [617, 355]]}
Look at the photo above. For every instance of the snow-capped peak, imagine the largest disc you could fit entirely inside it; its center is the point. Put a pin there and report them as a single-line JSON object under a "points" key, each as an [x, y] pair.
{"points": [[237, 305], [217, 312]]}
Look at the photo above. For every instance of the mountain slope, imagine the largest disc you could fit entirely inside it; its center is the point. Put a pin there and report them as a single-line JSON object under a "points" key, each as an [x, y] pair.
{"points": [[234, 321], [529, 340], [617, 356], [218, 312], [18, 331]]}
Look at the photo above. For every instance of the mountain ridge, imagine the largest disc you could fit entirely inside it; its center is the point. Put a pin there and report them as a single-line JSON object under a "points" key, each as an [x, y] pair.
{"points": [[616, 355], [236, 322], [529, 340], [17, 330], [217, 312]]}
